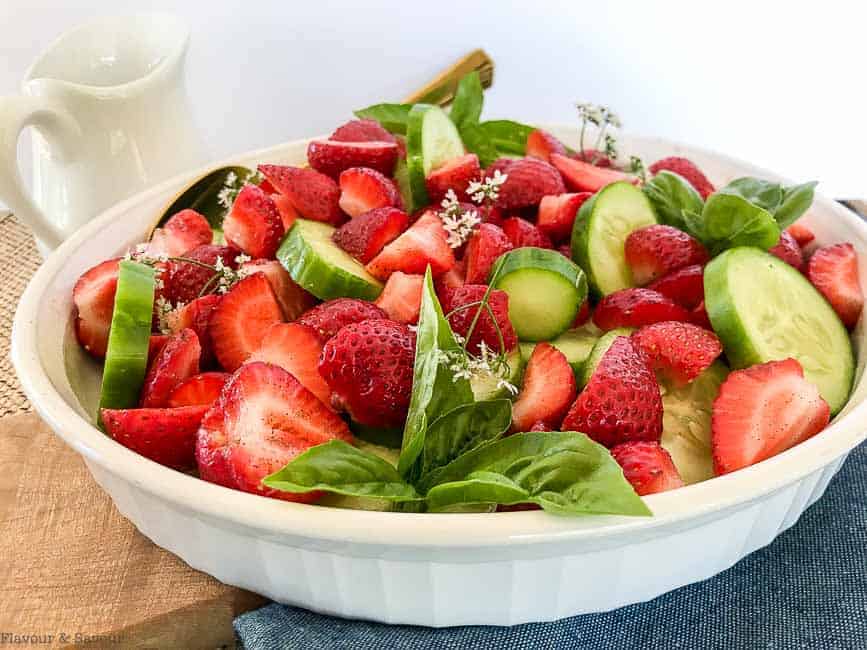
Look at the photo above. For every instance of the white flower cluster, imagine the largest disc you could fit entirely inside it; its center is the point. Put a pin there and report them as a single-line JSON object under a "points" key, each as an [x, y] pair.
{"points": [[163, 308], [142, 253], [231, 187], [598, 115], [488, 188], [488, 363], [227, 276], [457, 222]]}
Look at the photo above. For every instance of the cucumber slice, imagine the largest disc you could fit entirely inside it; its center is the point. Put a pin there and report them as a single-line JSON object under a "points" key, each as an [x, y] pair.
{"points": [[401, 179], [126, 356], [484, 386], [363, 503], [431, 139], [598, 351], [763, 309], [686, 412], [323, 268], [575, 345], [600, 230], [545, 291]]}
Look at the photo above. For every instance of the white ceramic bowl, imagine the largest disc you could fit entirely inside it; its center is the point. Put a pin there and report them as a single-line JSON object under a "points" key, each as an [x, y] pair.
{"points": [[427, 569]]}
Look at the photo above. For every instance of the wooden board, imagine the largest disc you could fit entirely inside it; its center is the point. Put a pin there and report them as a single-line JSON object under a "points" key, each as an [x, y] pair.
{"points": [[71, 564]]}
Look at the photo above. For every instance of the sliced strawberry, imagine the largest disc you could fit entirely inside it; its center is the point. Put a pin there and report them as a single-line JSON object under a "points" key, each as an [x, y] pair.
{"points": [[241, 319], [187, 280], [315, 196], [541, 144], [288, 213], [584, 177], [265, 186], [647, 467], [363, 189], [177, 361], [401, 297], [199, 390], [93, 296], [184, 231], [688, 170], [155, 344], [425, 243], [293, 300], [485, 330], [684, 286], [165, 435], [196, 315], [657, 250], [763, 410], [548, 391], [455, 174], [483, 249], [833, 270], [678, 351], [522, 233], [634, 308], [621, 402], [698, 316], [583, 314], [254, 224], [557, 214], [594, 157], [326, 319], [801, 233], [332, 157], [366, 131], [527, 181], [295, 348], [451, 279], [788, 250], [367, 234]]}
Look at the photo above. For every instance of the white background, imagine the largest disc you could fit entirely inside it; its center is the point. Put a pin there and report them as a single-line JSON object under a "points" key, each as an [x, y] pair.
{"points": [[782, 84]]}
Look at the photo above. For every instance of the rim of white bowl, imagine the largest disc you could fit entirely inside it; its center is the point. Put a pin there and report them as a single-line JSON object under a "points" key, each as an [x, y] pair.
{"points": [[276, 518]]}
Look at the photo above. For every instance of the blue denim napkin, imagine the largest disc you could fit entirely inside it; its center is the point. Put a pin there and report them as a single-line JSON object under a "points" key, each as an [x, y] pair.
{"points": [[808, 589]]}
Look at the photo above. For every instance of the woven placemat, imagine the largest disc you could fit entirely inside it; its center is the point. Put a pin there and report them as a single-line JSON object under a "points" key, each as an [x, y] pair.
{"points": [[20, 259]]}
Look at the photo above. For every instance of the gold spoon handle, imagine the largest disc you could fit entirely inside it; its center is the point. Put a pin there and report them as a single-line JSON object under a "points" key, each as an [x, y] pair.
{"points": [[441, 90]]}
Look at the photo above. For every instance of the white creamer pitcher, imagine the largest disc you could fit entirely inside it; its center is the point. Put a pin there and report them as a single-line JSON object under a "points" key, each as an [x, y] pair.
{"points": [[111, 117]]}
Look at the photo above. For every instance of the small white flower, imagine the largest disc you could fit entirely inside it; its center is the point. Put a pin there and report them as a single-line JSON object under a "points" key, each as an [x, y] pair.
{"points": [[487, 189], [458, 223], [163, 309], [141, 253], [242, 258]]}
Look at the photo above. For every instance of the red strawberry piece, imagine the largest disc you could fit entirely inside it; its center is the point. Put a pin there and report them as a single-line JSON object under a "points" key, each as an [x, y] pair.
{"points": [[565, 250], [801, 233], [293, 300], [368, 366], [199, 390], [634, 308], [155, 344], [485, 330], [522, 233], [501, 165], [366, 131], [265, 186], [547, 393], [332, 157], [196, 315], [483, 249], [763, 410], [93, 296], [621, 402], [557, 214], [315, 196], [241, 319], [688, 170], [326, 319], [453, 278], [286, 209], [678, 351], [254, 224], [594, 157], [787, 249], [367, 234], [184, 231], [295, 348], [583, 177], [527, 181], [425, 243], [698, 316], [647, 467], [455, 174], [833, 270], [684, 286], [263, 419], [165, 435], [492, 214], [583, 314], [401, 297], [363, 189], [186, 280], [176, 362], [541, 144], [657, 250]]}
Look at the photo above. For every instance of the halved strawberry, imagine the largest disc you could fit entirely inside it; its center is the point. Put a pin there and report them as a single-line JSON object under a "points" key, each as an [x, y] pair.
{"points": [[326, 319], [522, 233], [177, 361], [165, 435], [363, 189], [657, 250], [401, 297], [196, 315], [763, 410], [634, 308], [647, 467], [527, 181], [93, 296], [483, 249], [315, 196], [454, 174], [787, 249], [688, 170], [833, 270], [557, 214], [331, 157], [155, 344], [485, 330], [288, 213], [801, 233], [594, 157], [367, 234], [293, 300], [453, 278], [684, 286], [199, 390], [253, 224], [678, 351], [424, 243], [184, 231], [548, 391], [366, 131], [241, 319], [541, 144], [186, 280], [583, 177], [621, 402]]}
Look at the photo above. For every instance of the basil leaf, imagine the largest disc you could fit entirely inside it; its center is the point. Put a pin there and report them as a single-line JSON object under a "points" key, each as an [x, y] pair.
{"points": [[336, 466], [564, 472], [393, 117], [507, 136], [672, 196], [764, 194], [730, 220], [462, 429], [477, 141], [467, 104], [796, 201], [435, 389]]}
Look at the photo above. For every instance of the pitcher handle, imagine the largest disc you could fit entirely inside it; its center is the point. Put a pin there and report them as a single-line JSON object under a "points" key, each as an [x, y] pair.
{"points": [[60, 129]]}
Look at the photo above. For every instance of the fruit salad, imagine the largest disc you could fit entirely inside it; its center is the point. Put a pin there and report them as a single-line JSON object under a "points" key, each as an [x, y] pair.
{"points": [[438, 313]]}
